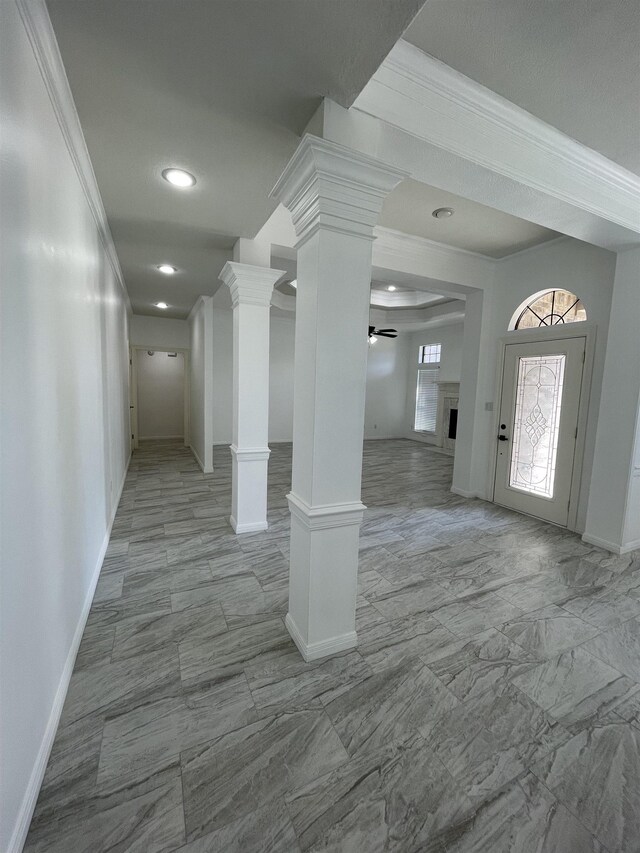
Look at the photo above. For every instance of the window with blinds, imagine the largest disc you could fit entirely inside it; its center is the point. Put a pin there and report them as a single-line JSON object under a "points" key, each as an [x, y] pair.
{"points": [[426, 401]]}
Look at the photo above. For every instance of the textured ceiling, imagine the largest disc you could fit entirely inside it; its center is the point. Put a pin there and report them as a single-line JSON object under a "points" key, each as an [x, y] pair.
{"points": [[222, 88], [572, 63]]}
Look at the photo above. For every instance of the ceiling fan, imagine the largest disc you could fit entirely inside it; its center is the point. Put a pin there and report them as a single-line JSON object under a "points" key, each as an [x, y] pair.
{"points": [[374, 334]]}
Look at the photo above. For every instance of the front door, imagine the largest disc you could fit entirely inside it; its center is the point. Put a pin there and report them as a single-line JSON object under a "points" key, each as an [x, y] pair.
{"points": [[540, 402]]}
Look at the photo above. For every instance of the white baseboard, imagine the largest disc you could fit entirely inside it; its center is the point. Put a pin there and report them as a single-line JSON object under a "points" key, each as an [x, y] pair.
{"points": [[159, 437], [199, 461], [25, 814], [248, 527], [611, 546], [465, 494], [314, 651]]}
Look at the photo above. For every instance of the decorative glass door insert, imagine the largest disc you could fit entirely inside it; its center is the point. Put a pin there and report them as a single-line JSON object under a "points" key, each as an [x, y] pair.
{"points": [[536, 426]]}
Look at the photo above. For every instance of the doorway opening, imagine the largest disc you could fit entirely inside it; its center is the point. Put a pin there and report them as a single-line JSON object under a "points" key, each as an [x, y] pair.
{"points": [[159, 394]]}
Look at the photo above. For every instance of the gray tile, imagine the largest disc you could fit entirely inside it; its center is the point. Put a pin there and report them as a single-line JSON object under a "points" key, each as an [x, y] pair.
{"points": [[619, 647], [223, 780], [145, 818], [142, 742], [549, 631], [470, 667], [490, 739], [388, 706], [474, 613], [264, 830], [137, 635], [369, 804], [524, 817], [596, 775], [562, 683], [203, 660], [603, 608]]}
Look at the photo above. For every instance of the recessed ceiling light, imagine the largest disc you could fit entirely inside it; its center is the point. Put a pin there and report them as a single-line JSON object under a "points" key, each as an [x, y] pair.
{"points": [[391, 287], [178, 177], [167, 269], [294, 283], [162, 305], [443, 212]]}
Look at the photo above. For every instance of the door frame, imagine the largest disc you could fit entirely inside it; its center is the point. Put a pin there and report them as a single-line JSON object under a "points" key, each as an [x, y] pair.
{"points": [[134, 349], [584, 330]]}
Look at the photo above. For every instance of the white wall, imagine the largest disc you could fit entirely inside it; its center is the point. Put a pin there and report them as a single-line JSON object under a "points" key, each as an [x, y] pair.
{"points": [[386, 382], [201, 382], [450, 338], [613, 517], [160, 394], [386, 398], [64, 415], [159, 332]]}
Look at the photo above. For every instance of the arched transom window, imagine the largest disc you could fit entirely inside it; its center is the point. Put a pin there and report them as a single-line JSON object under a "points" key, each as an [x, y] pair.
{"points": [[549, 309]]}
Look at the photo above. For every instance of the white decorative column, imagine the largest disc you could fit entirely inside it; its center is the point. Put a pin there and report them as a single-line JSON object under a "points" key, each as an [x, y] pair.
{"points": [[251, 288], [334, 195]]}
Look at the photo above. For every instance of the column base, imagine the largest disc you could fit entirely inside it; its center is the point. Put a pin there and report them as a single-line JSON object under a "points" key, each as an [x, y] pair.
{"points": [[247, 526], [323, 576], [322, 648], [249, 489]]}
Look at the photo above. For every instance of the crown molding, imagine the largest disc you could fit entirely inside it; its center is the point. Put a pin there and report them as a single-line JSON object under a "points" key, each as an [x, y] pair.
{"points": [[39, 29], [397, 250], [431, 101], [248, 284], [326, 185]]}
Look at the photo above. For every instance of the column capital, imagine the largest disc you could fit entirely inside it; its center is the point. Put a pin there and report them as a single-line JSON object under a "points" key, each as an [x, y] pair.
{"points": [[328, 186], [248, 284]]}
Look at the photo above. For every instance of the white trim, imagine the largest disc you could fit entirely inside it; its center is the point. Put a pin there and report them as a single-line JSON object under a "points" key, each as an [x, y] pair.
{"points": [[159, 437], [247, 526], [323, 516], [250, 454], [30, 798], [399, 251], [199, 461], [464, 494], [426, 98], [611, 546], [329, 186], [314, 651], [248, 284], [37, 24]]}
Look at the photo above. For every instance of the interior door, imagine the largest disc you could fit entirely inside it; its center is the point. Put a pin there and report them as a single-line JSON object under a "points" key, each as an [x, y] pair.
{"points": [[539, 407]]}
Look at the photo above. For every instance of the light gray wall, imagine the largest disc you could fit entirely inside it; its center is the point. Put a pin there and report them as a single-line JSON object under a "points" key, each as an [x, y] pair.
{"points": [[386, 398], [386, 382], [155, 332], [160, 394], [64, 419]]}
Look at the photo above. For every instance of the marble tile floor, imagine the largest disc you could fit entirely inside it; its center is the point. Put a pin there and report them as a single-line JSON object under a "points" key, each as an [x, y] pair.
{"points": [[492, 704]]}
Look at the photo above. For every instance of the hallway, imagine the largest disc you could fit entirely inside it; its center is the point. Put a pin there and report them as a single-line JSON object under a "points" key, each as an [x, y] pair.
{"points": [[493, 700]]}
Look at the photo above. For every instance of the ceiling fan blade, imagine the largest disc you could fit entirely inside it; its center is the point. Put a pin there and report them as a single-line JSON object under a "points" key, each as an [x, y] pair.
{"points": [[386, 335], [382, 331]]}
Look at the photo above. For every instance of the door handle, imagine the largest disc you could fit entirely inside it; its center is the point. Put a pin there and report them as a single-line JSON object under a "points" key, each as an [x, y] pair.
{"points": [[503, 438]]}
